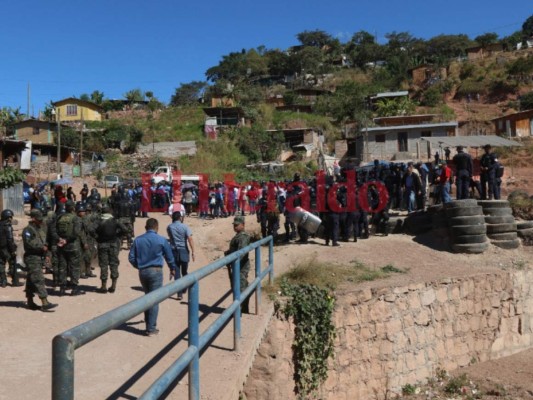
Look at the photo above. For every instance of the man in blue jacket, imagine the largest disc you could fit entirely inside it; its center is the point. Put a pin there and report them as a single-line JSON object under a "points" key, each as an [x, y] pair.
{"points": [[146, 254]]}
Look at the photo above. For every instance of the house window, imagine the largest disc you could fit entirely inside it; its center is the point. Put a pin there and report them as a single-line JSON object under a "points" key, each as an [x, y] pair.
{"points": [[72, 110], [425, 134], [380, 138], [402, 141]]}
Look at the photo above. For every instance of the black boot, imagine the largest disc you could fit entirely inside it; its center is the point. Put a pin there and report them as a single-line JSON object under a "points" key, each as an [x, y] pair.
{"points": [[47, 306], [103, 288], [31, 304], [62, 290], [113, 286]]}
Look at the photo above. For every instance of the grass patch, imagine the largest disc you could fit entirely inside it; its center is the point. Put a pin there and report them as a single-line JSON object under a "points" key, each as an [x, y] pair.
{"points": [[330, 275]]}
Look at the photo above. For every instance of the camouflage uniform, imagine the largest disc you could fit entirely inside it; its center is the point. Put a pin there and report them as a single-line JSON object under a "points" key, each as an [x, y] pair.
{"points": [[107, 230], [51, 240], [69, 254], [34, 239], [239, 241], [8, 249], [88, 225]]}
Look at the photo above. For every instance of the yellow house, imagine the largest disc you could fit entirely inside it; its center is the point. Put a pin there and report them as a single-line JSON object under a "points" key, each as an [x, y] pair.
{"points": [[73, 110]]}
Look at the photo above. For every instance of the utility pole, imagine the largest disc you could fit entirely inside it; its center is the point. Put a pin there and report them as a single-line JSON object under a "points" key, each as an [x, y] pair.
{"points": [[80, 158], [28, 111], [58, 121]]}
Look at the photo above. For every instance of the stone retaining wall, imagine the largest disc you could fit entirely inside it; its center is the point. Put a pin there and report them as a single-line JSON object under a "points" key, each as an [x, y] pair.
{"points": [[389, 337]]}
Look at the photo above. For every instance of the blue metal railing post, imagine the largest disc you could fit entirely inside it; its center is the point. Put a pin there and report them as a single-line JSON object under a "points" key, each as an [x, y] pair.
{"points": [[271, 261], [194, 340], [257, 274], [62, 368], [236, 278], [65, 344]]}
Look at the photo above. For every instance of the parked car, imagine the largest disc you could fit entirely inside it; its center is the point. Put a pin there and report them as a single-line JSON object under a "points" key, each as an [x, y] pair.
{"points": [[110, 180]]}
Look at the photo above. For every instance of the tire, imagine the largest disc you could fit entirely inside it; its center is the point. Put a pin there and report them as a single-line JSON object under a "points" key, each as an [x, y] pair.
{"points": [[470, 248], [524, 225], [497, 212], [395, 225], [503, 236], [493, 203], [472, 220], [469, 239], [506, 244], [461, 203], [434, 209], [464, 211], [507, 219], [462, 230], [501, 228], [525, 233]]}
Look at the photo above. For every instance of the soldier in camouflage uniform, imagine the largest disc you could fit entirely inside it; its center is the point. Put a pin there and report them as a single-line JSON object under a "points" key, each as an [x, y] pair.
{"points": [[8, 249], [124, 211], [87, 231], [239, 241], [108, 229], [35, 250], [69, 230]]}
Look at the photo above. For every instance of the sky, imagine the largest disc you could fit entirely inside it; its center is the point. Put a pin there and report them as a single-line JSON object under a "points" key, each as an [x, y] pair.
{"points": [[66, 48]]}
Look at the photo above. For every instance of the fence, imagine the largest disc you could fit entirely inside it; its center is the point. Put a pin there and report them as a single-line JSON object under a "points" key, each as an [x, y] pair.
{"points": [[13, 199], [65, 344]]}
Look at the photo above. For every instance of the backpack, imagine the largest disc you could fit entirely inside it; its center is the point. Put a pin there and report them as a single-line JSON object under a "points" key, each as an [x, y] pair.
{"points": [[499, 171], [107, 230], [65, 226]]}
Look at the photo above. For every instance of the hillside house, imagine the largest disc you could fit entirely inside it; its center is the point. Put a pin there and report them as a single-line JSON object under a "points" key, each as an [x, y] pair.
{"points": [[35, 130], [72, 111], [479, 52], [394, 138], [386, 96], [519, 124], [304, 142]]}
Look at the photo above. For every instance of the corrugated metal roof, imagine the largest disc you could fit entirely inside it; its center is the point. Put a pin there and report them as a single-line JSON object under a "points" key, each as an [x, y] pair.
{"points": [[471, 141], [390, 94], [415, 126]]}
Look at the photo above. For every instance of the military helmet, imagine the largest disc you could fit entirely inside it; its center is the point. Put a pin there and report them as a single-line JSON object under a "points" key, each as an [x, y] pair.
{"points": [[6, 214], [69, 205], [94, 191], [106, 209]]}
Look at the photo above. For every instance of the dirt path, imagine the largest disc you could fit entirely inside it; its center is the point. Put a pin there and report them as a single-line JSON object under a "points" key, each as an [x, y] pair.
{"points": [[123, 363]]}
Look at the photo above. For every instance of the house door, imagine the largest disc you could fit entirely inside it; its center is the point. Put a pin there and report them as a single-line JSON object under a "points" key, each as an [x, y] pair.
{"points": [[402, 141]]}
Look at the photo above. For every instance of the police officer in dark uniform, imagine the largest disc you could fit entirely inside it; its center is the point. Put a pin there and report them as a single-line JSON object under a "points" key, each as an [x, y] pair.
{"points": [[35, 250], [488, 173], [262, 217], [463, 172]]}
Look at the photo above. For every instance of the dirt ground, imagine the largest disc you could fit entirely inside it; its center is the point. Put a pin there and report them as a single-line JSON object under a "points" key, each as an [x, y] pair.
{"points": [[122, 363]]}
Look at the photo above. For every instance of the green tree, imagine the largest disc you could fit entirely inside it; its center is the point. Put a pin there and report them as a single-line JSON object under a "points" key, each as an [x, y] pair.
{"points": [[259, 145], [393, 107], [97, 97], [347, 103], [509, 42], [188, 93], [486, 39], [527, 28], [135, 95], [448, 46], [236, 67], [363, 49], [526, 101], [316, 38]]}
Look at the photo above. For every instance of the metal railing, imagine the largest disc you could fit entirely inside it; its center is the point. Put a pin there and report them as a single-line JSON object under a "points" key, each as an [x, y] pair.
{"points": [[65, 344]]}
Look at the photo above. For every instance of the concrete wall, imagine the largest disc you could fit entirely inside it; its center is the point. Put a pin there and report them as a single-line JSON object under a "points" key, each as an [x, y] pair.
{"points": [[390, 337]]}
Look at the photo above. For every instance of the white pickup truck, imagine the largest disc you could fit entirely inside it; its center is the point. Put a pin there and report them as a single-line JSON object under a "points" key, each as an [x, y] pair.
{"points": [[164, 173]]}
